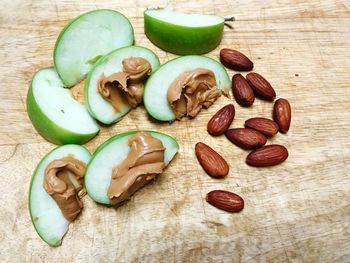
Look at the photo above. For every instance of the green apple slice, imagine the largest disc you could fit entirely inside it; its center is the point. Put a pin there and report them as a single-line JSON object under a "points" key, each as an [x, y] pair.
{"points": [[155, 96], [87, 38], [183, 34], [109, 155], [111, 63], [55, 114], [45, 214]]}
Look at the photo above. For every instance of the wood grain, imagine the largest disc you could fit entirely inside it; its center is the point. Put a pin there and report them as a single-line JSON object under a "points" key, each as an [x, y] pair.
{"points": [[295, 212]]}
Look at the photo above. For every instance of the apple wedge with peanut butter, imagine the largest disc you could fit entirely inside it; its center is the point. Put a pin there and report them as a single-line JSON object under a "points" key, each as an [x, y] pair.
{"points": [[125, 163], [183, 86], [116, 83], [56, 190]]}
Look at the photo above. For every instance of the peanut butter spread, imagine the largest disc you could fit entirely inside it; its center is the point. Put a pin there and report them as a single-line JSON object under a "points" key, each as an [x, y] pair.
{"points": [[143, 163], [63, 180], [126, 86], [191, 91]]}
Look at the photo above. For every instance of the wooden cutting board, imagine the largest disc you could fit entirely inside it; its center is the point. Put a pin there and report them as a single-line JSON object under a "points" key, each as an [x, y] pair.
{"points": [[295, 212]]}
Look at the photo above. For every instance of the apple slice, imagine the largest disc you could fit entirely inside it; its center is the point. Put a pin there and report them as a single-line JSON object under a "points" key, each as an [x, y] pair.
{"points": [[55, 114], [45, 214], [155, 96], [111, 63], [110, 154], [87, 38], [183, 34]]}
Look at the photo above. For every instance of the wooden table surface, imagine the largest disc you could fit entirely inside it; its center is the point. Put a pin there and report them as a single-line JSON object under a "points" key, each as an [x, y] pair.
{"points": [[295, 212]]}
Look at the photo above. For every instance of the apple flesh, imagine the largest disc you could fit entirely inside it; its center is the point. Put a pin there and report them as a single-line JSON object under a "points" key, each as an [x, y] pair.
{"points": [[55, 114], [87, 38], [45, 214], [155, 96], [111, 63], [110, 154], [183, 34]]}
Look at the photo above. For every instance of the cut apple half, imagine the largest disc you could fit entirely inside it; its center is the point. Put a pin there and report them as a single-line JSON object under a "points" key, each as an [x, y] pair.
{"points": [[183, 34], [45, 214], [87, 38], [110, 154], [55, 114], [100, 108], [155, 96]]}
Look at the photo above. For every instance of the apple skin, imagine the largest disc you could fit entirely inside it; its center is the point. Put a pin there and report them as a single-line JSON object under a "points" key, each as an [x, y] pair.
{"points": [[182, 40], [48, 129], [105, 144]]}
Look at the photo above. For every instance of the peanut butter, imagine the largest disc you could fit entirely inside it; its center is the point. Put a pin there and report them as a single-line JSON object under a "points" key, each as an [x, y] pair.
{"points": [[63, 180], [144, 162], [191, 91], [126, 86]]}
